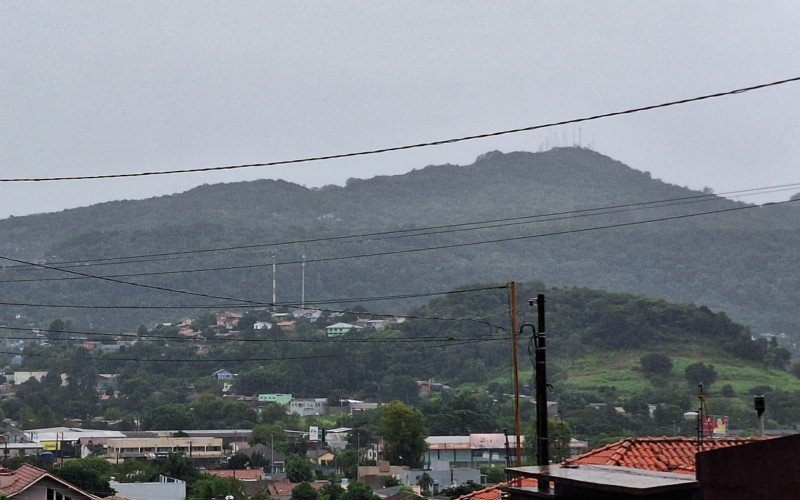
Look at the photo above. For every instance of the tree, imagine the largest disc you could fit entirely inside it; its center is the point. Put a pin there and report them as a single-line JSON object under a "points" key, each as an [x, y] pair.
{"points": [[55, 331], [425, 482], [210, 487], [304, 491], [180, 467], [238, 461], [559, 434], [347, 462], [331, 491], [134, 471], [90, 474], [298, 469], [656, 364], [403, 430], [359, 491], [697, 373]]}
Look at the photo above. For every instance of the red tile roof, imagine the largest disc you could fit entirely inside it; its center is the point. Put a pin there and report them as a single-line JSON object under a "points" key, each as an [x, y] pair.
{"points": [[662, 454], [493, 492], [242, 474], [12, 483]]}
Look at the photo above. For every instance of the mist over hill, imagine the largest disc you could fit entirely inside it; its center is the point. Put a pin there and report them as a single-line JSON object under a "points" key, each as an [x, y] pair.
{"points": [[741, 261]]}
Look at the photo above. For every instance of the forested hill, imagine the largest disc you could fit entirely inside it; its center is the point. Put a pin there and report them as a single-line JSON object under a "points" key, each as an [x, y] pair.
{"points": [[741, 262]]}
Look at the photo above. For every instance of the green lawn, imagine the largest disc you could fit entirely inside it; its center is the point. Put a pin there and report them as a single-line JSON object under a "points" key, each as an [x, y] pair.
{"points": [[620, 370]]}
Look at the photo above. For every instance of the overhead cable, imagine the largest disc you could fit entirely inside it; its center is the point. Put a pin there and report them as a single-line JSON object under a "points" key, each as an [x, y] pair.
{"points": [[412, 146]]}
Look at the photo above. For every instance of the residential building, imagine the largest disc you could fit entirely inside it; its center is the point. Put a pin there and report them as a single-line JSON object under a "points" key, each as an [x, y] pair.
{"points": [[337, 438], [470, 451], [31, 483], [306, 407], [320, 457], [279, 399], [18, 378], [195, 447], [664, 468], [228, 320], [287, 326], [222, 375], [338, 329], [262, 325], [282, 490]]}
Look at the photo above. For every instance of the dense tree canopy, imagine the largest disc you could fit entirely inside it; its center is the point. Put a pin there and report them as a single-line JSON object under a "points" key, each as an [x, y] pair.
{"points": [[403, 430]]}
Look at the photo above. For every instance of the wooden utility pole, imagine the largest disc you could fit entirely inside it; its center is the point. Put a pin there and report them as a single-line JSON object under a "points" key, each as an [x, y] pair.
{"points": [[512, 299]]}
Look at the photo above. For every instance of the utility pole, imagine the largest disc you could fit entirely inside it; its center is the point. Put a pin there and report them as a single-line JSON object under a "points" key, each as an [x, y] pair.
{"points": [[274, 300], [303, 285], [512, 298], [543, 442]]}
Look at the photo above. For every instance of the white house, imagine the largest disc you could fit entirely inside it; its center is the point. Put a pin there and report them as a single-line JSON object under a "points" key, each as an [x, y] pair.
{"points": [[338, 329], [222, 375]]}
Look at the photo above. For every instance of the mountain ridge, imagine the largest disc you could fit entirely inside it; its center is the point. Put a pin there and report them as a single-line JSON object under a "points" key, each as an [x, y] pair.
{"points": [[716, 260]]}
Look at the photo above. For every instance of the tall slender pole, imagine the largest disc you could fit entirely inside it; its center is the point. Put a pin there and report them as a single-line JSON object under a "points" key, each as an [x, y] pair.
{"points": [[274, 299], [543, 443], [303, 286], [512, 297]]}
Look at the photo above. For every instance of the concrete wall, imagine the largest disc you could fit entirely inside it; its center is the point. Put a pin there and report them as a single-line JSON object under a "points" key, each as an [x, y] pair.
{"points": [[765, 469], [149, 491]]}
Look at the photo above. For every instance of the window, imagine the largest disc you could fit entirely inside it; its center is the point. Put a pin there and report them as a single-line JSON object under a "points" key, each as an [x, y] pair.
{"points": [[56, 495]]}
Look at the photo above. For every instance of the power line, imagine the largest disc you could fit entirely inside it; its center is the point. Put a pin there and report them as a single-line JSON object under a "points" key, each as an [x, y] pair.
{"points": [[114, 278], [279, 304], [422, 231], [412, 232], [412, 146]]}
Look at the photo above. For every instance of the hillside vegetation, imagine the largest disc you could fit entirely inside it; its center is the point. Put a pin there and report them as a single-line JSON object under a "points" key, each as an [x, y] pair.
{"points": [[741, 262], [598, 343]]}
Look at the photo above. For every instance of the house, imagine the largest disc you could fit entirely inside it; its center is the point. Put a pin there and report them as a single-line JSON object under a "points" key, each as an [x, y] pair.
{"points": [[338, 329], [372, 324], [287, 326], [282, 490], [320, 457], [240, 474], [428, 387], [470, 451], [306, 407], [32, 483], [262, 325], [20, 378], [631, 468], [742, 470], [337, 438], [662, 454], [228, 320], [277, 462], [222, 375], [278, 399], [310, 315]]}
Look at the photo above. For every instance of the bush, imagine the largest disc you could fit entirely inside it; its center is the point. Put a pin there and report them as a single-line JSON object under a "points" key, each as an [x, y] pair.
{"points": [[656, 364]]}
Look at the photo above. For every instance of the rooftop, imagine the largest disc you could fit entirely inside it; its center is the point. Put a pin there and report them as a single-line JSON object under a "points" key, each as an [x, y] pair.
{"points": [[661, 454], [609, 478]]}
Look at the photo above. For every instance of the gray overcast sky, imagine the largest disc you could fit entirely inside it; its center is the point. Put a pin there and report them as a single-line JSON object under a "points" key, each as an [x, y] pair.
{"points": [[108, 87]]}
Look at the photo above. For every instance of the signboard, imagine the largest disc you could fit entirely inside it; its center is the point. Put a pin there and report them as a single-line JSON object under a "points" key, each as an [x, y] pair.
{"points": [[50, 445], [715, 425], [313, 433]]}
